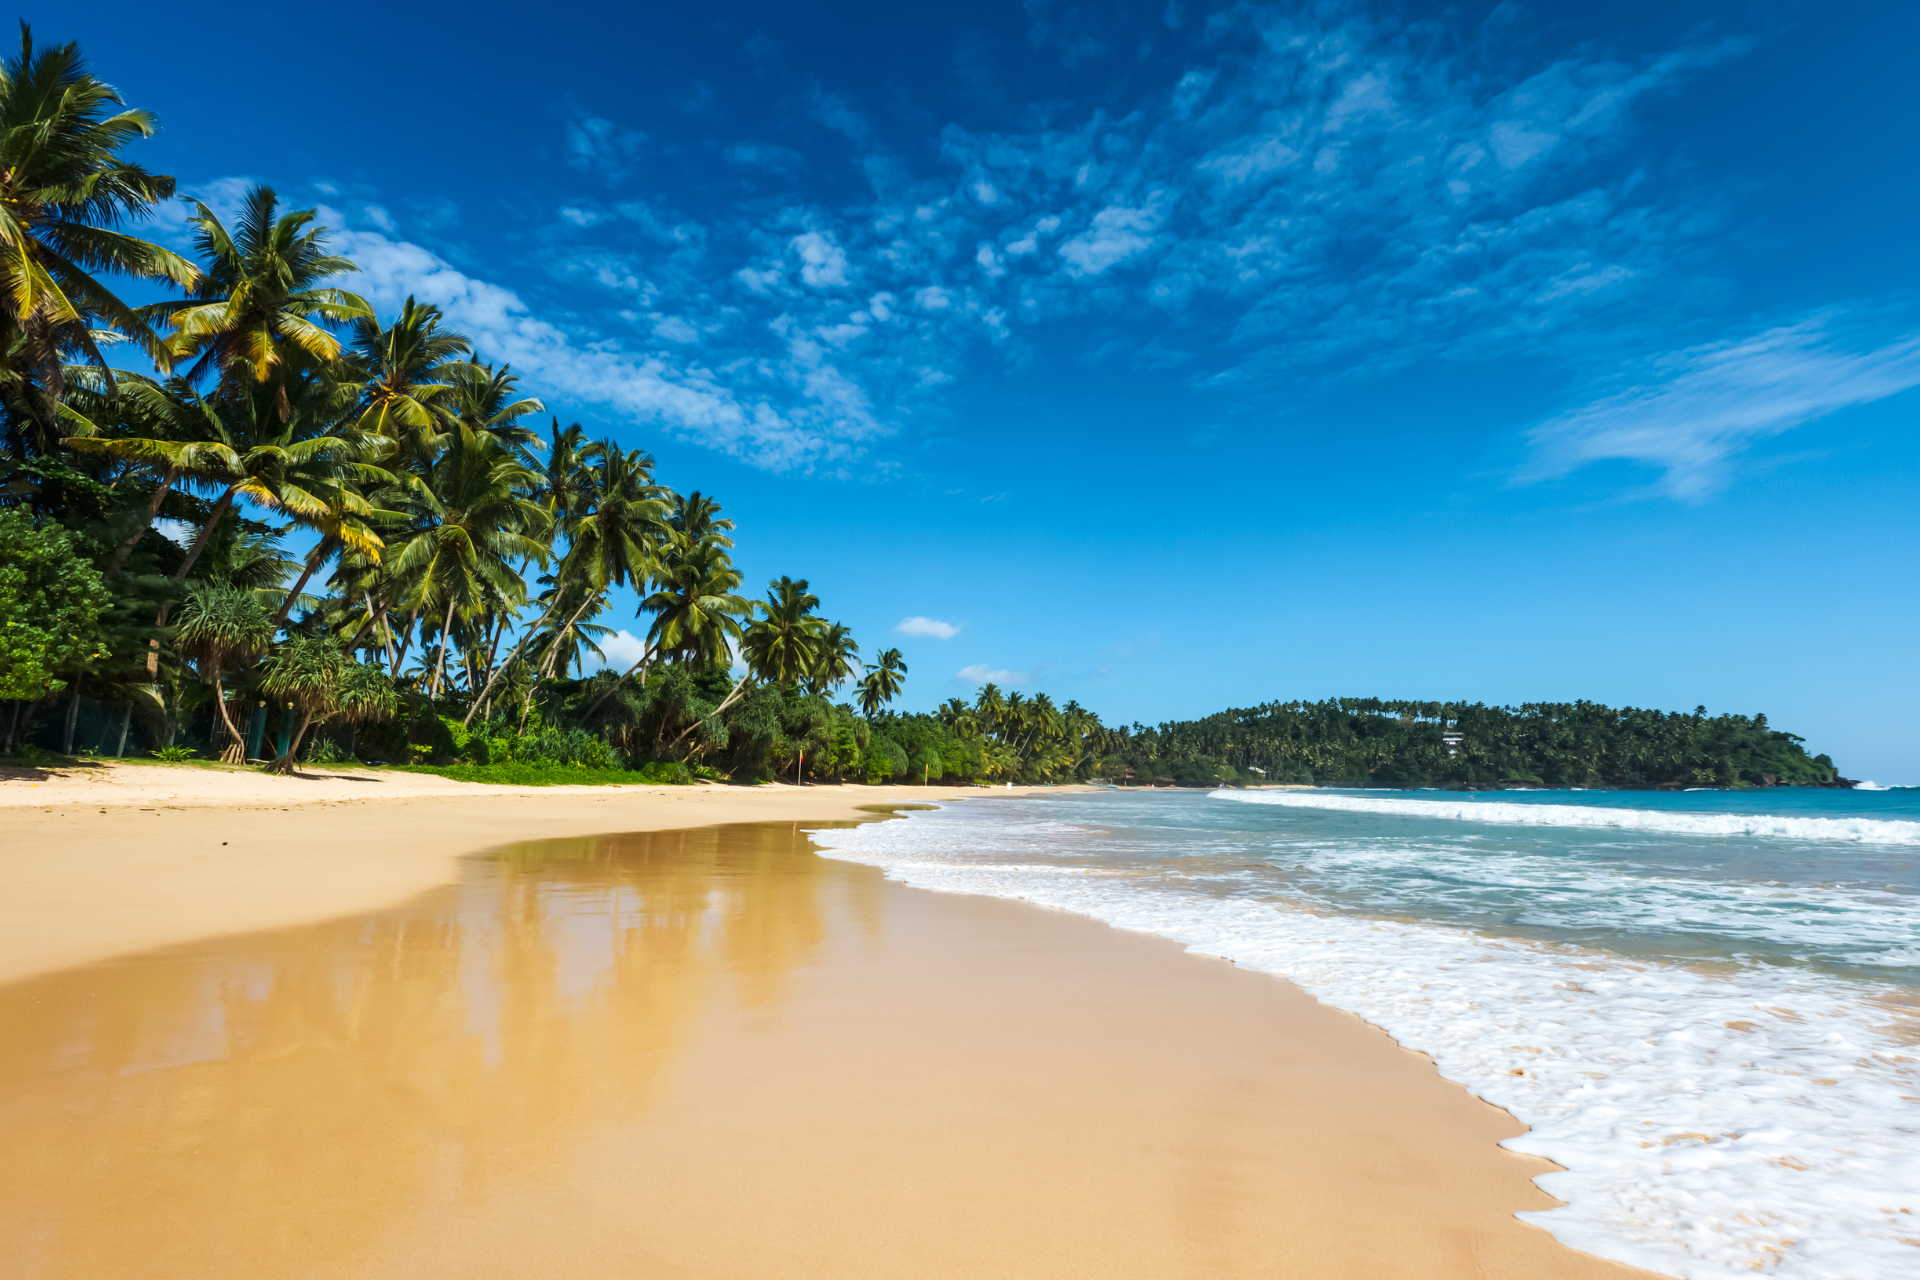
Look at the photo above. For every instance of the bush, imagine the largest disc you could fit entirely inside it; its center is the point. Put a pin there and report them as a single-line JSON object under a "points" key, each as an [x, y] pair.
{"points": [[171, 755], [665, 772]]}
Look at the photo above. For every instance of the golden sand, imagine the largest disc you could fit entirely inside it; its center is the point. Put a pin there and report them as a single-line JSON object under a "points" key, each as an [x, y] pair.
{"points": [[712, 1053]]}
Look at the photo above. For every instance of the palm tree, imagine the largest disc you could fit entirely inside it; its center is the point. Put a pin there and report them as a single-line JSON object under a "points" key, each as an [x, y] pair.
{"points": [[64, 192], [696, 519], [486, 399], [472, 520], [782, 645], [882, 684], [695, 608], [613, 536], [410, 366], [617, 537], [259, 443], [262, 294], [838, 660], [219, 625]]}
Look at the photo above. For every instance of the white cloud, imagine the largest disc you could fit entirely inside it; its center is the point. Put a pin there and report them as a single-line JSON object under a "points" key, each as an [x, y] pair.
{"points": [[1117, 234], [822, 262], [780, 413], [1700, 407], [981, 673], [622, 650], [918, 626]]}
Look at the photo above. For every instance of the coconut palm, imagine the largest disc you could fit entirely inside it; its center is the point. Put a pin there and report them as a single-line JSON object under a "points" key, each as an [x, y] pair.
{"points": [[882, 684], [486, 399], [262, 294], [837, 660], [471, 522], [783, 643], [410, 368], [221, 625], [64, 193], [616, 536]]}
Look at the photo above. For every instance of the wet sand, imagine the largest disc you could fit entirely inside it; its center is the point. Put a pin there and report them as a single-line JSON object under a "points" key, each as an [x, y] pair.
{"points": [[712, 1053], [112, 859]]}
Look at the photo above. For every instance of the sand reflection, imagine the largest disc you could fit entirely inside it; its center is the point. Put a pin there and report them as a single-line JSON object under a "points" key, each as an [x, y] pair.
{"points": [[279, 1103]]}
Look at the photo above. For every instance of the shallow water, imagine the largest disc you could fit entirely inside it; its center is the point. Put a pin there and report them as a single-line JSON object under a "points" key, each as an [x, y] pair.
{"points": [[1702, 1002]]}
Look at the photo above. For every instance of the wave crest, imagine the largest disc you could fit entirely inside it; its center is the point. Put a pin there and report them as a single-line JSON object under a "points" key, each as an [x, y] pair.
{"points": [[1505, 813]]}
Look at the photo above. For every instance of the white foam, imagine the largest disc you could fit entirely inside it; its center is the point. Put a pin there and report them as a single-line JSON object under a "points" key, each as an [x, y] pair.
{"points": [[1506, 813], [1709, 1125]]}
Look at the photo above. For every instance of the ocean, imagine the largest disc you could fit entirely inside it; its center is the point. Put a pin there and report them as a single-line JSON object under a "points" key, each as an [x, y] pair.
{"points": [[1706, 1005]]}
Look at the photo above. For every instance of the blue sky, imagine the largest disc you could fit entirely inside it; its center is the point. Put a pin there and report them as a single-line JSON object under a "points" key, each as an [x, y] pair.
{"points": [[1177, 356]]}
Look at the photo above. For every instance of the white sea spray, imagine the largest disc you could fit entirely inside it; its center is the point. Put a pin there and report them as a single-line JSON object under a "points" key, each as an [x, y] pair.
{"points": [[1710, 1124], [1506, 813]]}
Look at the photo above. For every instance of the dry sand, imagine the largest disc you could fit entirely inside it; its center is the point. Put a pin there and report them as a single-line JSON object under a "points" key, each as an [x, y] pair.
{"points": [[696, 1053]]}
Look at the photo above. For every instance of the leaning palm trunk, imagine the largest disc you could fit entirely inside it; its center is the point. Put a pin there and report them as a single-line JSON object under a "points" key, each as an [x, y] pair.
{"points": [[313, 564], [284, 764], [220, 509], [125, 549], [553, 647], [646, 656], [732, 695], [494, 676]]}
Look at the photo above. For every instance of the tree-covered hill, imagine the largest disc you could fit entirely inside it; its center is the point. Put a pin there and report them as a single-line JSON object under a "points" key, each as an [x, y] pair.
{"points": [[1371, 742]]}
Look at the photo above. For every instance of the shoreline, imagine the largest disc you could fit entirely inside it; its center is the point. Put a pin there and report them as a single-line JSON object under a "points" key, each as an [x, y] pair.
{"points": [[939, 1084]]}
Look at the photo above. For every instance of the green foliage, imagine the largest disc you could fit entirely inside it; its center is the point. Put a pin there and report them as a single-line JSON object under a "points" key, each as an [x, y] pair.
{"points": [[665, 772], [51, 600], [1370, 742], [172, 755], [525, 774]]}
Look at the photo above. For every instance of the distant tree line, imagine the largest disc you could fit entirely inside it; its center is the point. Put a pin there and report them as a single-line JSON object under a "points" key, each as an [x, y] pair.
{"points": [[1373, 742]]}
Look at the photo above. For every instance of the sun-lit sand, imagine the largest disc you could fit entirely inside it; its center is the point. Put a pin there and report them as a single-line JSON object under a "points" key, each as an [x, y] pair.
{"points": [[112, 859], [696, 1052]]}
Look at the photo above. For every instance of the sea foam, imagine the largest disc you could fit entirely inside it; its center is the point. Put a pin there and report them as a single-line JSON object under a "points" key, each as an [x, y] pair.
{"points": [[1506, 813], [1709, 1124]]}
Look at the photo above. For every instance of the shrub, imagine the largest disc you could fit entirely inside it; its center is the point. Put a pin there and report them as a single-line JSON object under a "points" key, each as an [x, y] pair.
{"points": [[666, 772], [172, 755]]}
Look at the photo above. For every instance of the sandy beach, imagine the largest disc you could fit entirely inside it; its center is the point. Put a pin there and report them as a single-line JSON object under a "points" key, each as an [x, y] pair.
{"points": [[261, 1027]]}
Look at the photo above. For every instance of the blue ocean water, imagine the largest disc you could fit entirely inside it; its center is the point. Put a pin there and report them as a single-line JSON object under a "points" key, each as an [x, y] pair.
{"points": [[1703, 1002]]}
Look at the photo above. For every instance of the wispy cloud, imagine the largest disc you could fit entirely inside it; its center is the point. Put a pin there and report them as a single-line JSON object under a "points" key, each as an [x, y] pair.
{"points": [[918, 626], [1693, 411], [1304, 190], [981, 673], [778, 412]]}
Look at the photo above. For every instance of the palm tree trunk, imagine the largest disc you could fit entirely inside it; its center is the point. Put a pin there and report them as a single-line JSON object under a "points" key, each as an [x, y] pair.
{"points": [[126, 722], [494, 675], [553, 649], [313, 563], [220, 509], [406, 642], [125, 549], [73, 714], [440, 661], [284, 764], [645, 655], [236, 751], [726, 702]]}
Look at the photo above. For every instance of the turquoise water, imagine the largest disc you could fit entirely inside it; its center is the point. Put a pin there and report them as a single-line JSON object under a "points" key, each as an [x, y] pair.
{"points": [[1702, 1002]]}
